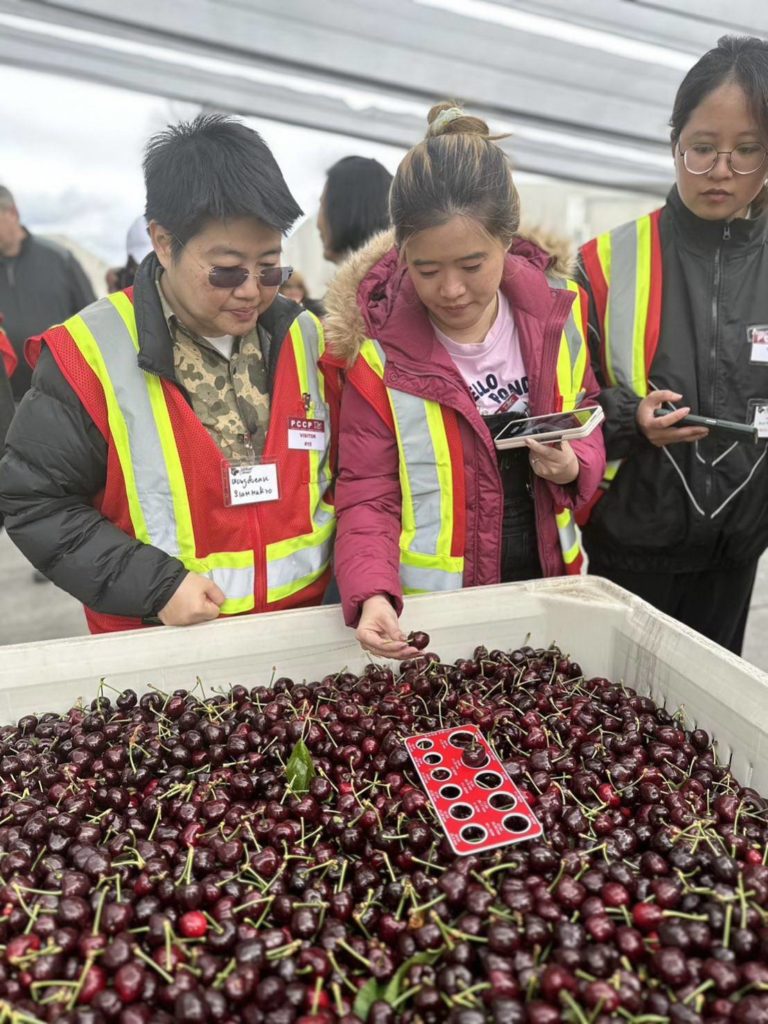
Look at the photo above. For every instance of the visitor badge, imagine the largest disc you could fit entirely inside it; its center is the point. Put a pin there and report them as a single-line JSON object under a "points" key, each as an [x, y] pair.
{"points": [[306, 435], [250, 483], [758, 416], [757, 335]]}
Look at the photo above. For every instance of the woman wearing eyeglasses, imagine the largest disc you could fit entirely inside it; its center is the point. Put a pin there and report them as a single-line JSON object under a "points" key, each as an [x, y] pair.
{"points": [[679, 325], [171, 462]]}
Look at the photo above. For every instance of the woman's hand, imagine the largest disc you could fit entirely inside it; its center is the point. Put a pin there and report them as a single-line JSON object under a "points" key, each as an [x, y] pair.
{"points": [[556, 463], [379, 630], [661, 430], [197, 599]]}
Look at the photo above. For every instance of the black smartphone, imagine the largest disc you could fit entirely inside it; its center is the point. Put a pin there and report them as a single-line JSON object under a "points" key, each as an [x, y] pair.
{"points": [[726, 430]]}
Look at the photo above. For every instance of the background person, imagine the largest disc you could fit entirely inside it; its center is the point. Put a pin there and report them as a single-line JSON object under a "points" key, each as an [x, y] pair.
{"points": [[295, 289], [686, 518], [155, 410], [138, 245], [440, 324], [41, 284], [354, 205]]}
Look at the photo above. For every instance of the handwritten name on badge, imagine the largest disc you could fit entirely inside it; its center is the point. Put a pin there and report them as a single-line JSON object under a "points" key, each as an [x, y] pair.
{"points": [[306, 435], [251, 484]]}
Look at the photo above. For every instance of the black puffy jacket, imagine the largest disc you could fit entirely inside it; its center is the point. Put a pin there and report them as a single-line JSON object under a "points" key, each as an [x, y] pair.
{"points": [[55, 466], [690, 507]]}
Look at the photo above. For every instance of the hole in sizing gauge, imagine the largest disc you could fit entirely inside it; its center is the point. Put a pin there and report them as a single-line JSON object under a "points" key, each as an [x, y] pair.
{"points": [[488, 780], [473, 833], [461, 812], [461, 739], [450, 792], [433, 759], [441, 774], [475, 757], [424, 744], [502, 801], [516, 823]]}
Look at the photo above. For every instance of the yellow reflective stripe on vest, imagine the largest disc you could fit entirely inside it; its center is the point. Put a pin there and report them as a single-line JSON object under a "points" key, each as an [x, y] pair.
{"points": [[568, 536], [91, 353], [625, 257], [139, 422], [185, 533], [571, 367], [426, 486], [572, 355], [296, 563]]}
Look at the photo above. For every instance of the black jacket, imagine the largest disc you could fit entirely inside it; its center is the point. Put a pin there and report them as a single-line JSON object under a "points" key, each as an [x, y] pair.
{"points": [[56, 463], [689, 507], [41, 286]]}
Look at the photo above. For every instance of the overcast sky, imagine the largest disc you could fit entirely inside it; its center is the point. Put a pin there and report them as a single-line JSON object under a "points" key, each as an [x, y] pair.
{"points": [[71, 154]]}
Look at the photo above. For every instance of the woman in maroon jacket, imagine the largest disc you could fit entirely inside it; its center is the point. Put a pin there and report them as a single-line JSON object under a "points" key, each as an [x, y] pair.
{"points": [[439, 326]]}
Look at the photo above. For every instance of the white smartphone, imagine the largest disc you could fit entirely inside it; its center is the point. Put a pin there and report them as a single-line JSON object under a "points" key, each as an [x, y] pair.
{"points": [[549, 429]]}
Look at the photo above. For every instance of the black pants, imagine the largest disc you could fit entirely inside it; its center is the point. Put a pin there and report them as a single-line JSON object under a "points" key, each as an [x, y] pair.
{"points": [[714, 602], [519, 547]]}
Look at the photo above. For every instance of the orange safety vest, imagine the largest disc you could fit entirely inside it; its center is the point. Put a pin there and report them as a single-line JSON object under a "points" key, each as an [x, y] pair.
{"points": [[164, 483], [431, 462], [624, 269]]}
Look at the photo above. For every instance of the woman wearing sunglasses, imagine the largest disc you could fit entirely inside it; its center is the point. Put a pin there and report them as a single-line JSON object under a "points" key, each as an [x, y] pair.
{"points": [[172, 461], [679, 325]]}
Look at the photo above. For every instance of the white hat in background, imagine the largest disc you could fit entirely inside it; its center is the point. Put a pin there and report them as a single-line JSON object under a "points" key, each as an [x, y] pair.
{"points": [[138, 242]]}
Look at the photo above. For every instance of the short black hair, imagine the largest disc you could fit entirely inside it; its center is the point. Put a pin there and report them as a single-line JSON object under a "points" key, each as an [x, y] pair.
{"points": [[213, 168], [740, 59], [356, 202]]}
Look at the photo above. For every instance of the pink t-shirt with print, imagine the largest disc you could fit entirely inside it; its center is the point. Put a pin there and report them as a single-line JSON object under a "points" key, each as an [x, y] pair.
{"points": [[494, 369]]}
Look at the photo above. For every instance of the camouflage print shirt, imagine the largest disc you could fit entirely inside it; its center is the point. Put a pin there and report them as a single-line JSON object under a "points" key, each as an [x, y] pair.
{"points": [[229, 396]]}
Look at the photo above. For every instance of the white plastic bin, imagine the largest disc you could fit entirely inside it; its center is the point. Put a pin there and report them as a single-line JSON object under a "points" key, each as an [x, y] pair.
{"points": [[609, 631]]}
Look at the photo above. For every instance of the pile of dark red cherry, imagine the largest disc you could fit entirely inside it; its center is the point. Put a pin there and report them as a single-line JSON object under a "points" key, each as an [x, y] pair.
{"points": [[268, 855]]}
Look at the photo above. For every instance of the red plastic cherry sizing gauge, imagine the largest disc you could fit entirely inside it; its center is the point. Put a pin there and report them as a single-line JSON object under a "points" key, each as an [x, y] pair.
{"points": [[478, 805]]}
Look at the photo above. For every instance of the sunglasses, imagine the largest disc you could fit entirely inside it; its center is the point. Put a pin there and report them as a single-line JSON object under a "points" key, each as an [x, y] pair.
{"points": [[234, 277]]}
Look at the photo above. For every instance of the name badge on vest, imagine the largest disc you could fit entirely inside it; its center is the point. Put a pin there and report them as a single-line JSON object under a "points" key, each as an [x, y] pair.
{"points": [[249, 483], [757, 336], [757, 415], [306, 435]]}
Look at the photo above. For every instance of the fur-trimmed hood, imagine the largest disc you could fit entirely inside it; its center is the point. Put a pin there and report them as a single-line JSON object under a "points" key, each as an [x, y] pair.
{"points": [[362, 296]]}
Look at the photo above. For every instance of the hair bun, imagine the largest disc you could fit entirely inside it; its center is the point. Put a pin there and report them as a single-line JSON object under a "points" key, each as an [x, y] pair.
{"points": [[450, 119]]}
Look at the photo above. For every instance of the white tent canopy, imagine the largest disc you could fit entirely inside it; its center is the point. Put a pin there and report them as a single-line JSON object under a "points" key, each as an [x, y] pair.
{"points": [[585, 89]]}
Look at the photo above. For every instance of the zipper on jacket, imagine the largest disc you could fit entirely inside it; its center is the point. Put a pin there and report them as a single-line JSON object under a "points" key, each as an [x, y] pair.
{"points": [[715, 324]]}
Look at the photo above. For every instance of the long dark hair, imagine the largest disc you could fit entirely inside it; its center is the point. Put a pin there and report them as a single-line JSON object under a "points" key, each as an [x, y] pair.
{"points": [[356, 202], [739, 59]]}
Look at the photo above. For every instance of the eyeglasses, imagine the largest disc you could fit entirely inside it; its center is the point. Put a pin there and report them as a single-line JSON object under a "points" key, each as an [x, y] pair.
{"points": [[234, 277], [745, 159]]}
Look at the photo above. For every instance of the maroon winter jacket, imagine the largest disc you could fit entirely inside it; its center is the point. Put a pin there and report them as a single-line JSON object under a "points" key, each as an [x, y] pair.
{"points": [[372, 297]]}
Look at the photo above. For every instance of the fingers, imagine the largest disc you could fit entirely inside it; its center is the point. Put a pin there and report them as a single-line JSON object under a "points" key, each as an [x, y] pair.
{"points": [[215, 594], [536, 447], [669, 420], [655, 399], [374, 642], [677, 435]]}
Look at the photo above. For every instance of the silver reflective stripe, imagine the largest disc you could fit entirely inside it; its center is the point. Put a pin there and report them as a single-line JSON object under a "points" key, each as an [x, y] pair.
{"points": [[622, 299], [307, 561], [308, 328], [415, 578], [150, 473], [572, 332], [236, 583], [568, 537], [420, 460]]}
